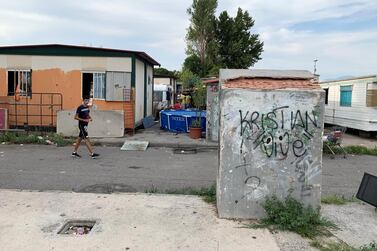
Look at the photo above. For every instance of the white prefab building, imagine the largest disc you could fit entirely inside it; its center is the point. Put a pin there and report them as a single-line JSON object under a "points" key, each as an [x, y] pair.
{"points": [[352, 102]]}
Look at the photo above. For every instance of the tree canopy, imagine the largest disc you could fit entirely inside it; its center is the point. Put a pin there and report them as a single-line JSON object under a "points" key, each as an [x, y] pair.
{"points": [[237, 47], [201, 32], [163, 71], [223, 42]]}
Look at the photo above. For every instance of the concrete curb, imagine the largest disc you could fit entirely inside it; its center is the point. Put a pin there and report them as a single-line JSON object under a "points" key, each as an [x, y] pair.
{"points": [[158, 144]]}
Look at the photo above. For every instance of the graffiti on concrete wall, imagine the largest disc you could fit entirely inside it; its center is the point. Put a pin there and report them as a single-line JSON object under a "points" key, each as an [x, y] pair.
{"points": [[281, 133], [306, 169], [278, 132]]}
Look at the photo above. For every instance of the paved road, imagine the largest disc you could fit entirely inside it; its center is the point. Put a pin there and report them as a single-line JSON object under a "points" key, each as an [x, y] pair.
{"points": [[343, 176], [52, 168]]}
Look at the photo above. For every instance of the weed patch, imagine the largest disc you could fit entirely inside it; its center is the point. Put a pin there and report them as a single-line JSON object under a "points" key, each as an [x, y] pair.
{"points": [[290, 214], [28, 138], [207, 193], [341, 246], [337, 200], [357, 150], [331, 246]]}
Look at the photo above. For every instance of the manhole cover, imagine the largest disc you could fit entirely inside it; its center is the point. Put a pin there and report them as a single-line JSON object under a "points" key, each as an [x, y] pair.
{"points": [[185, 151], [77, 227]]}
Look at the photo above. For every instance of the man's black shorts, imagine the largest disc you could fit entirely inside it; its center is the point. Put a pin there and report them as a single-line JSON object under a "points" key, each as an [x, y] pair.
{"points": [[83, 130]]}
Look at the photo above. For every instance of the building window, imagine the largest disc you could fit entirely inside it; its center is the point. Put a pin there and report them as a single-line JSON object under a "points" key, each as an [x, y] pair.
{"points": [[19, 82], [94, 85], [346, 95], [326, 95], [372, 95]]}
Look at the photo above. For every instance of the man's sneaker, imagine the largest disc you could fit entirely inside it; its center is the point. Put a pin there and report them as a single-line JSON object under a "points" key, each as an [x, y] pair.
{"points": [[74, 154], [94, 155]]}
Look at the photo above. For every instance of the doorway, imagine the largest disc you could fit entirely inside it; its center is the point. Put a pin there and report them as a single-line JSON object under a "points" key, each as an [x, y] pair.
{"points": [[87, 85]]}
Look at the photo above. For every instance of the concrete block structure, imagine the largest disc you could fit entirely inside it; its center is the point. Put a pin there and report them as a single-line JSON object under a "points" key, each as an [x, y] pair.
{"points": [[213, 109], [105, 123], [271, 126]]}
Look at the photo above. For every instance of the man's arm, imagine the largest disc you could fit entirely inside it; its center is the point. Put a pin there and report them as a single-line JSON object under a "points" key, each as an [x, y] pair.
{"points": [[79, 119]]}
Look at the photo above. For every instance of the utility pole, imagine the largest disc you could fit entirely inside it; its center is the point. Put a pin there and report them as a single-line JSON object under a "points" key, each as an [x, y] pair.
{"points": [[315, 66]]}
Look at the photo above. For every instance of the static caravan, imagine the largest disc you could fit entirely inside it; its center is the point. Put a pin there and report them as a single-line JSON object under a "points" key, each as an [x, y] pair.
{"points": [[168, 80], [161, 98], [352, 102]]}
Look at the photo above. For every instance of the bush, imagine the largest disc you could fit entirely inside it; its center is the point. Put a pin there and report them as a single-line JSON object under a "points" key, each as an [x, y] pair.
{"points": [[199, 96]]}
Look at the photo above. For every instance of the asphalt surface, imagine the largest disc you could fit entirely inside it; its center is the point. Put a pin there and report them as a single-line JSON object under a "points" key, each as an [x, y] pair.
{"points": [[53, 168], [32, 167]]}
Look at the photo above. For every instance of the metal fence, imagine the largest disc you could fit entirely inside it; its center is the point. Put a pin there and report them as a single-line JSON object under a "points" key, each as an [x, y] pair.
{"points": [[35, 110]]}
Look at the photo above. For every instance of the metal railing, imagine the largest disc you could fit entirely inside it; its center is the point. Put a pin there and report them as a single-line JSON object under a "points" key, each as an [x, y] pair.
{"points": [[36, 110]]}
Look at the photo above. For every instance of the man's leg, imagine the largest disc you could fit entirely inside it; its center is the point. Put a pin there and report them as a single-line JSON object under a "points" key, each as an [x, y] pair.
{"points": [[88, 145], [77, 144]]}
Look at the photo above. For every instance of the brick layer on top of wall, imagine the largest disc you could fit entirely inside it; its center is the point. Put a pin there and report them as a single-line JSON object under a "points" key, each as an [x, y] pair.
{"points": [[270, 84]]}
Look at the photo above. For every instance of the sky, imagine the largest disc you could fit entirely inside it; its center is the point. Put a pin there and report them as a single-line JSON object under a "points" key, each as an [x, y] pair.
{"points": [[340, 34]]}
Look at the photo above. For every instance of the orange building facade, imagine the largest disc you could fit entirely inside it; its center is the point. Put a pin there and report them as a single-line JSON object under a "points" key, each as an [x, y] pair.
{"points": [[38, 81]]}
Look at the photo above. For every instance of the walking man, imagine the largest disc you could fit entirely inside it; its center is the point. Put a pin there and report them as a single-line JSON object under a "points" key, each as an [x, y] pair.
{"points": [[82, 115]]}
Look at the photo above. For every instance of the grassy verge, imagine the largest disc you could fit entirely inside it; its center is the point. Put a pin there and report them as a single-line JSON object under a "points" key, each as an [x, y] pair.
{"points": [[34, 138], [207, 193], [341, 246], [337, 200], [290, 214], [357, 150]]}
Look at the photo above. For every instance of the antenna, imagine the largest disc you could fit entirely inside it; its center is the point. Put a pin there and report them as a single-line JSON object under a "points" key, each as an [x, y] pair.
{"points": [[315, 66]]}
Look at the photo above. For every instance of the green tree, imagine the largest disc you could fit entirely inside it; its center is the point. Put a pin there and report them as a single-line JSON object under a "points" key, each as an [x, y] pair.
{"points": [[237, 46], [193, 64], [163, 71], [188, 79], [201, 32]]}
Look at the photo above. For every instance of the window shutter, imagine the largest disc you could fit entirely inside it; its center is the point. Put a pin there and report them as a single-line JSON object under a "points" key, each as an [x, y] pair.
{"points": [[116, 83]]}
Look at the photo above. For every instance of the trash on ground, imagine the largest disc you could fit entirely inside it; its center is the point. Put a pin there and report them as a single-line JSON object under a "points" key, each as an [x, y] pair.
{"points": [[49, 142], [76, 230]]}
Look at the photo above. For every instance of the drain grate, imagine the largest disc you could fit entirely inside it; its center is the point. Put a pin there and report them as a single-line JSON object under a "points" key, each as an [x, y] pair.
{"points": [[185, 151], [77, 227]]}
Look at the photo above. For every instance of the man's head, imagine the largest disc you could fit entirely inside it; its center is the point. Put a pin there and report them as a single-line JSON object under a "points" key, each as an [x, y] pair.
{"points": [[86, 101]]}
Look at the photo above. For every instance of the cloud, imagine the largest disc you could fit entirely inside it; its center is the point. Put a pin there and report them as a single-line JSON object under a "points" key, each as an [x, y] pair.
{"points": [[340, 33]]}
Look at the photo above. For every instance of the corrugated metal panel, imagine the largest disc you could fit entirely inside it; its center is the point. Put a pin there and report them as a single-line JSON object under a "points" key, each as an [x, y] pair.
{"points": [[359, 95], [362, 118], [116, 82]]}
